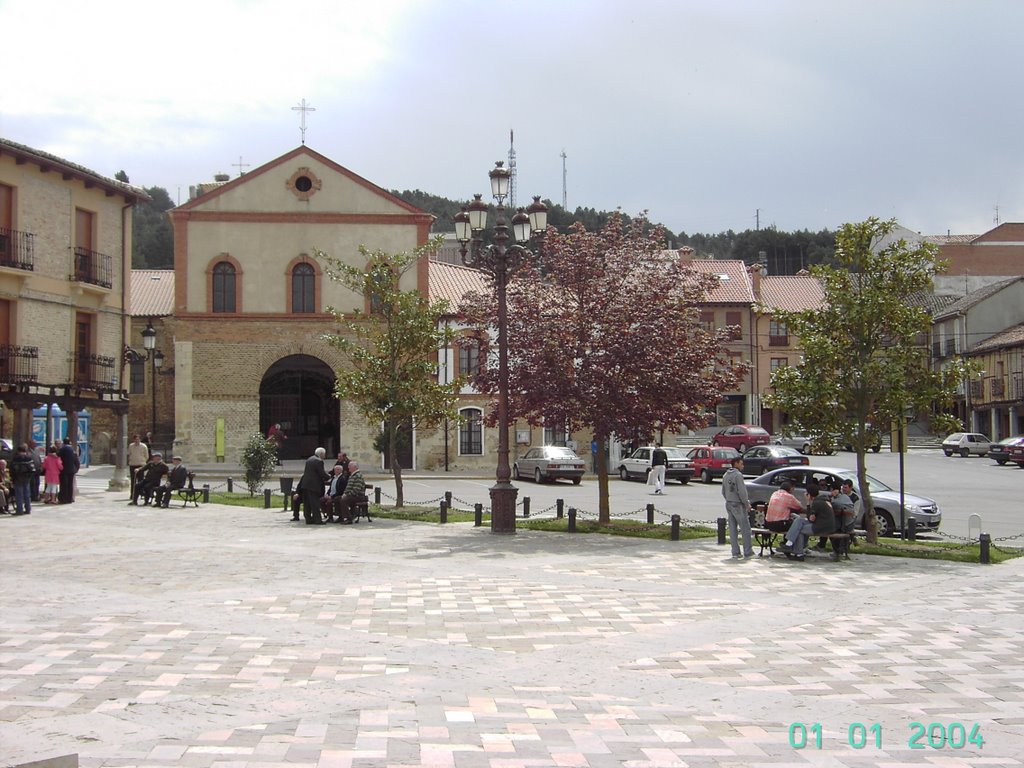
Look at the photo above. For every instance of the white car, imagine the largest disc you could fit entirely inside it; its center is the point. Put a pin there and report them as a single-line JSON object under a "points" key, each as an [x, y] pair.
{"points": [[966, 443], [638, 465]]}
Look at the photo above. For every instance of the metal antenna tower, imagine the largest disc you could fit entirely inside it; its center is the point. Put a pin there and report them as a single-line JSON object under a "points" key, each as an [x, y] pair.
{"points": [[511, 170], [565, 199]]}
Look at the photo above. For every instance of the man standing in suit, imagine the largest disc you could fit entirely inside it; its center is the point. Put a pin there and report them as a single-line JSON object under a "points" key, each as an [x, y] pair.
{"points": [[69, 459], [314, 476]]}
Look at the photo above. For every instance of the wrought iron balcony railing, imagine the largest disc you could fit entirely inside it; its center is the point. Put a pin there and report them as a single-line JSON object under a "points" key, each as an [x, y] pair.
{"points": [[93, 372], [17, 249], [92, 267], [18, 364]]}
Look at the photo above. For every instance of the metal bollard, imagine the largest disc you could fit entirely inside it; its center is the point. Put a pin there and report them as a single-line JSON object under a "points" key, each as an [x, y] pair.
{"points": [[559, 508], [478, 515], [911, 529], [674, 536], [376, 495], [572, 520], [986, 555], [206, 493], [526, 506], [266, 498], [650, 514], [230, 484], [444, 512], [721, 530], [448, 499]]}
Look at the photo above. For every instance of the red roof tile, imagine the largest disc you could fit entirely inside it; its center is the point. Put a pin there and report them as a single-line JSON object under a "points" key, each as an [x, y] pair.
{"points": [[453, 281], [734, 285], [152, 292], [791, 293]]}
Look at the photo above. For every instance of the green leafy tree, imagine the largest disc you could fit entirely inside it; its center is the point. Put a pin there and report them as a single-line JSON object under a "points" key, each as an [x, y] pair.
{"points": [[604, 333], [864, 362], [152, 236], [392, 374], [259, 457]]}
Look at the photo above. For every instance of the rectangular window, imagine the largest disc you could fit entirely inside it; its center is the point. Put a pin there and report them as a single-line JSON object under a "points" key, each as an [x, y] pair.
{"points": [[137, 377], [83, 349], [556, 436], [469, 356], [471, 433], [778, 362], [707, 320], [778, 334], [735, 321], [224, 278]]}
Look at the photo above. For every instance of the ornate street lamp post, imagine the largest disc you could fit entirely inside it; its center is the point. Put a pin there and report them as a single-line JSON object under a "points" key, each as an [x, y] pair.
{"points": [[156, 360], [500, 260]]}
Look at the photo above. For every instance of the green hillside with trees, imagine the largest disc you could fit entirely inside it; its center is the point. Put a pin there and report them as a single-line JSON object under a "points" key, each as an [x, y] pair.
{"points": [[785, 253]]}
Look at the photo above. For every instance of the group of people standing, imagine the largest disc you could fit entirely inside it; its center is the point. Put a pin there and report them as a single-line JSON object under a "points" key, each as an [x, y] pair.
{"points": [[20, 479], [324, 496]]}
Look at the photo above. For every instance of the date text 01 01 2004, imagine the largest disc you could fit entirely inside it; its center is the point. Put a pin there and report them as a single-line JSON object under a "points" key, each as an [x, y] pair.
{"points": [[921, 736]]}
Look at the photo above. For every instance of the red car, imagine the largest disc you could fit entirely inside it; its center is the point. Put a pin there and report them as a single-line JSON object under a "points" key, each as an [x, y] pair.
{"points": [[1017, 455], [741, 437], [709, 462]]}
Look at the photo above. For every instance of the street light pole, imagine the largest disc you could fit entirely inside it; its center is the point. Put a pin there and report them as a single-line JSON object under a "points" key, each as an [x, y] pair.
{"points": [[500, 260], [156, 360]]}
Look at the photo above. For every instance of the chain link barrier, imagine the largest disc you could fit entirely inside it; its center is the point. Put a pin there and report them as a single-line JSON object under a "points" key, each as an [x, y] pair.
{"points": [[665, 518]]}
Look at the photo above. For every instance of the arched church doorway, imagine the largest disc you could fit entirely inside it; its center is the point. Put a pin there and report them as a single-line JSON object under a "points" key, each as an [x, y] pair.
{"points": [[297, 392]]}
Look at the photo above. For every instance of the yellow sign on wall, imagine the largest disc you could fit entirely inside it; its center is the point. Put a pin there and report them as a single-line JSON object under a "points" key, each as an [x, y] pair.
{"points": [[218, 439]]}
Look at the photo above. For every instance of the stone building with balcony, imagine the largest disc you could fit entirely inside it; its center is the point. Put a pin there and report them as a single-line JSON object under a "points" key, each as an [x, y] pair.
{"points": [[997, 395], [966, 326], [65, 251]]}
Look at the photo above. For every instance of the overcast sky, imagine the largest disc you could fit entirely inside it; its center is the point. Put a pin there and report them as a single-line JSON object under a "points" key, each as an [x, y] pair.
{"points": [[815, 112]]}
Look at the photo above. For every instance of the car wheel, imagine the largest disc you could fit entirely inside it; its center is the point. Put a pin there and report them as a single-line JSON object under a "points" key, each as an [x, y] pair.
{"points": [[577, 480], [715, 443], [886, 525], [515, 472], [623, 474], [876, 448], [705, 476], [684, 480], [537, 477], [948, 453], [1020, 464], [965, 452], [1000, 462]]}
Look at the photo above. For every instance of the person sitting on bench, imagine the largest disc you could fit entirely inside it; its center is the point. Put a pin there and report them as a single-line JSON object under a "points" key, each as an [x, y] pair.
{"points": [[149, 478], [330, 503], [782, 506], [820, 521], [355, 493], [176, 480]]}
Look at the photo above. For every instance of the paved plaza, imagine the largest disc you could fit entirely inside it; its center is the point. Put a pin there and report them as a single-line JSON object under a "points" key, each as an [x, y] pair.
{"points": [[233, 638]]}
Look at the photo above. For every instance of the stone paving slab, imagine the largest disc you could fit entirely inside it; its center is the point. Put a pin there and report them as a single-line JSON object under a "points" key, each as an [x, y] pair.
{"points": [[233, 638]]}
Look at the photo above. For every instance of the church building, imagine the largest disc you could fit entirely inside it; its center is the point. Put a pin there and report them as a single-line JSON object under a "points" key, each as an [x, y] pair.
{"points": [[251, 304]]}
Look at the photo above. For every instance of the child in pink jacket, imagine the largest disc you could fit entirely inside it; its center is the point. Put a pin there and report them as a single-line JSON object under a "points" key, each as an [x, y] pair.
{"points": [[52, 465]]}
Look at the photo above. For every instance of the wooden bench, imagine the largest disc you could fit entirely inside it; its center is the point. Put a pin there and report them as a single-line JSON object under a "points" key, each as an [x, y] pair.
{"points": [[189, 494], [765, 539], [362, 508]]}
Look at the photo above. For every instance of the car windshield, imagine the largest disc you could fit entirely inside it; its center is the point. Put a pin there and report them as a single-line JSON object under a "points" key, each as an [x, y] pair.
{"points": [[874, 485]]}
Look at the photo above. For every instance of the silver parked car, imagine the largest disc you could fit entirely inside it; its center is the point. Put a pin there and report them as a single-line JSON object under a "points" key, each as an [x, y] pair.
{"points": [[549, 462], [966, 443], [887, 500]]}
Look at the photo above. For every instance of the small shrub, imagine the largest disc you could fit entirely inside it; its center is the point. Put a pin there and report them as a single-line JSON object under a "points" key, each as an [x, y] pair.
{"points": [[259, 457]]}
